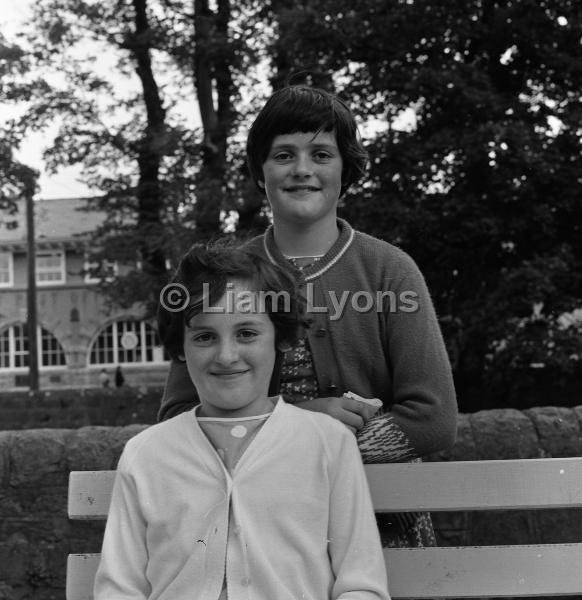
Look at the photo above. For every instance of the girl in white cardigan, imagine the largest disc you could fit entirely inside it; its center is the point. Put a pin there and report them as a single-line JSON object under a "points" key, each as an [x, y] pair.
{"points": [[244, 496]]}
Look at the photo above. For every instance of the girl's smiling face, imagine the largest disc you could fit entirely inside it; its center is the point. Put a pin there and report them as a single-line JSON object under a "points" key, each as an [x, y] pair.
{"points": [[302, 177], [230, 354]]}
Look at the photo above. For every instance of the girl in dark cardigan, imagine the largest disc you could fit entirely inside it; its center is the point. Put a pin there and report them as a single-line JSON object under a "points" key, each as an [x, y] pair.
{"points": [[373, 329]]}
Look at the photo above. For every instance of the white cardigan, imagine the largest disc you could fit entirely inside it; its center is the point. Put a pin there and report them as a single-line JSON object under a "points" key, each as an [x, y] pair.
{"points": [[302, 524]]}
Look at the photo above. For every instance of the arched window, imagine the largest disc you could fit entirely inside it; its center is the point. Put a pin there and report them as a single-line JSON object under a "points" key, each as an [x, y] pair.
{"points": [[123, 342], [14, 348]]}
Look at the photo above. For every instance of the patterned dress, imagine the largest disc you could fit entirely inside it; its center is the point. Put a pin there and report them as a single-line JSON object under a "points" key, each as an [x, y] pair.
{"points": [[379, 441]]}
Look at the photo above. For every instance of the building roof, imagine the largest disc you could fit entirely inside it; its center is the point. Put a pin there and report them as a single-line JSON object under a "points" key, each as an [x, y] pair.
{"points": [[57, 220]]}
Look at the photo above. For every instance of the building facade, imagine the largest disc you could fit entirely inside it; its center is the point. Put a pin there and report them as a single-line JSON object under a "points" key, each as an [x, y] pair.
{"points": [[81, 339]]}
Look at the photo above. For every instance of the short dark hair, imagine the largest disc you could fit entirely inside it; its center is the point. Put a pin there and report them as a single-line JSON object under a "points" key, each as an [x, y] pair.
{"points": [[301, 108], [216, 265]]}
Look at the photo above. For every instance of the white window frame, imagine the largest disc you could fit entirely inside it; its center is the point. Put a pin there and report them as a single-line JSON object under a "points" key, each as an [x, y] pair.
{"points": [[110, 265], [118, 328], [12, 351], [10, 282], [49, 355], [61, 268]]}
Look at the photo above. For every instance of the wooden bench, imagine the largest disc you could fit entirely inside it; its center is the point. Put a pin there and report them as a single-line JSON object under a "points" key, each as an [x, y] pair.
{"points": [[443, 572]]}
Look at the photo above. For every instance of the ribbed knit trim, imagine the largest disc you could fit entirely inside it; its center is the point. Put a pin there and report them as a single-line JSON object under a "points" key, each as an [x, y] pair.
{"points": [[319, 267], [233, 419], [275, 400]]}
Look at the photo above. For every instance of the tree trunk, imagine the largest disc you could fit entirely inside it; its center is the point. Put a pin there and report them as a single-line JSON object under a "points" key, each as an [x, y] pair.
{"points": [[214, 87], [151, 147]]}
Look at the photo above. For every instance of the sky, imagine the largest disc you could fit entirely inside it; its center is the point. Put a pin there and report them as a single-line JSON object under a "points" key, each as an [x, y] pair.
{"points": [[66, 182], [63, 184]]}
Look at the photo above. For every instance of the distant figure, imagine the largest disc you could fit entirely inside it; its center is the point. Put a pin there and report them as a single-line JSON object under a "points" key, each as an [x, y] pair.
{"points": [[104, 378], [119, 378]]}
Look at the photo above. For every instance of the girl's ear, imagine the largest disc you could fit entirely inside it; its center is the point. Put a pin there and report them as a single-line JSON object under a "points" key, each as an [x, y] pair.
{"points": [[261, 184], [181, 357]]}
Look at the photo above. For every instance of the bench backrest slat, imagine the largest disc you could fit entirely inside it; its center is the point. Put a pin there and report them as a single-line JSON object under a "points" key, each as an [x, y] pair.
{"points": [[489, 571], [479, 485]]}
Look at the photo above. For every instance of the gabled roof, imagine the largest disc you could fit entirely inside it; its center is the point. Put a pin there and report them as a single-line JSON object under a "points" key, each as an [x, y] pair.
{"points": [[57, 220]]}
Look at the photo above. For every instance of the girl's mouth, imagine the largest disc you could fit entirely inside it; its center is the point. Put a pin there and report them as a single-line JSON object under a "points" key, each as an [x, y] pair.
{"points": [[302, 188]]}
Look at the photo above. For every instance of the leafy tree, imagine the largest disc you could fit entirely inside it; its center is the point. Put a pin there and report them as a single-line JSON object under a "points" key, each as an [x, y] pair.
{"points": [[482, 185], [164, 177], [16, 179], [472, 111], [121, 141]]}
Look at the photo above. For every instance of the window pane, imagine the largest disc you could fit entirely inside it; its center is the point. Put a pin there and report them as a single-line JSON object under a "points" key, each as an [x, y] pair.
{"points": [[5, 349], [129, 341], [5, 268], [52, 353], [102, 351], [95, 272], [20, 345], [50, 267], [126, 342]]}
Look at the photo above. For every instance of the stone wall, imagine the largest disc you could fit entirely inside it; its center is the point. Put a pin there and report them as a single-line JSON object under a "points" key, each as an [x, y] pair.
{"points": [[542, 432], [36, 535], [73, 408]]}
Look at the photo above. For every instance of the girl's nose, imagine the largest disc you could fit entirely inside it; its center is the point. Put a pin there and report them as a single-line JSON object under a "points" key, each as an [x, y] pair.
{"points": [[302, 166], [227, 352]]}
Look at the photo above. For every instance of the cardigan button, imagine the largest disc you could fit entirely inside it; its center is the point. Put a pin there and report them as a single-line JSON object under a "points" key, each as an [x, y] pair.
{"points": [[245, 582], [321, 332]]}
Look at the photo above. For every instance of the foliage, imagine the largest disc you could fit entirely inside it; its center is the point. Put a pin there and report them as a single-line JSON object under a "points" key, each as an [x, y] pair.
{"points": [[542, 354], [481, 185], [162, 178], [472, 111], [16, 179]]}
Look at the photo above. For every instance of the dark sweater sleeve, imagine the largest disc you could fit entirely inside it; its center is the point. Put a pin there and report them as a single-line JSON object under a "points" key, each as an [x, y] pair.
{"points": [[179, 392], [424, 401]]}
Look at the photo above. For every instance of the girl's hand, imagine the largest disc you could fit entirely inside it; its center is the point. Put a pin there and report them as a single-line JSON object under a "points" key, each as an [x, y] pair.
{"points": [[352, 413]]}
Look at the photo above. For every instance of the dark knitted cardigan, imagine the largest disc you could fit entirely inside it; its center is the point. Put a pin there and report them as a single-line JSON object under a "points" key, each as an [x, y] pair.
{"points": [[393, 350]]}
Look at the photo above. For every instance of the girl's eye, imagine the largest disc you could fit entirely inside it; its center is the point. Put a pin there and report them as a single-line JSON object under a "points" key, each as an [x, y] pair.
{"points": [[247, 335], [202, 338], [282, 156], [322, 156]]}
